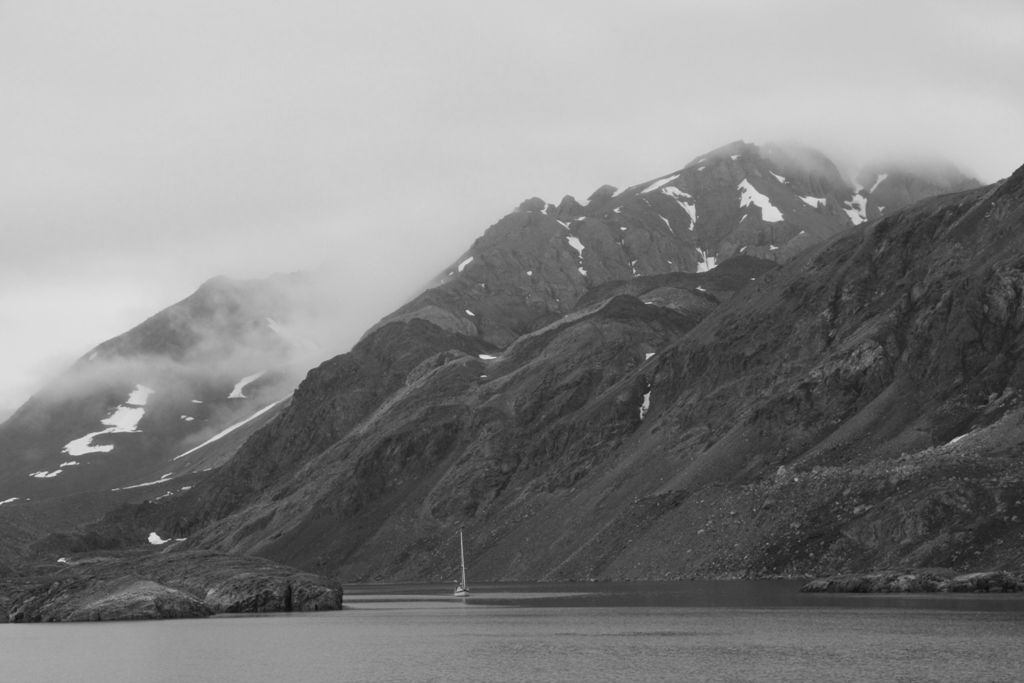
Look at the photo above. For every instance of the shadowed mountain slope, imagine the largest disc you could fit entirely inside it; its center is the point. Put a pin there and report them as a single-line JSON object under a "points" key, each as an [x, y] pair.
{"points": [[806, 424], [584, 418]]}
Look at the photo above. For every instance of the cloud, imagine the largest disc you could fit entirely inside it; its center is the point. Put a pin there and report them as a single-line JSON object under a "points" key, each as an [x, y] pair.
{"points": [[148, 147]]}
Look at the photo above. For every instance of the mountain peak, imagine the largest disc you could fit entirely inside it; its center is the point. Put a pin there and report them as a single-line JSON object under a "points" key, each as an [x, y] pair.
{"points": [[733, 149]]}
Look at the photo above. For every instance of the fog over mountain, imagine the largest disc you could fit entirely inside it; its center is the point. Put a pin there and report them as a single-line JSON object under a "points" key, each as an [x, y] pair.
{"points": [[149, 147]]}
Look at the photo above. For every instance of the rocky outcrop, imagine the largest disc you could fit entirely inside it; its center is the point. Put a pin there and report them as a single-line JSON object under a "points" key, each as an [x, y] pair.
{"points": [[164, 586], [917, 581], [253, 592], [91, 599]]}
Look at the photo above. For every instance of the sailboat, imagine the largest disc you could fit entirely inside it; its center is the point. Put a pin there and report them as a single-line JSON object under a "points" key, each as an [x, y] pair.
{"points": [[460, 590]]}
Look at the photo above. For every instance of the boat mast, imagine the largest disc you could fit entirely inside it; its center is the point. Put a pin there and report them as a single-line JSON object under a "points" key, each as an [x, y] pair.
{"points": [[462, 553]]}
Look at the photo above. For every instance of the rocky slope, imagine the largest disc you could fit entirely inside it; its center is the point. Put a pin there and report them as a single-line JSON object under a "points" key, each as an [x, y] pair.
{"points": [[806, 424]]}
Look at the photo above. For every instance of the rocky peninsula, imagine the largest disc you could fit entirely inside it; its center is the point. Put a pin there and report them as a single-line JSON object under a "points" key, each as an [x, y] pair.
{"points": [[141, 585], [917, 581]]}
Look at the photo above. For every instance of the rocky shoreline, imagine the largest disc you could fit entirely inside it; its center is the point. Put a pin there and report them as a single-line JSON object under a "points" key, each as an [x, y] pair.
{"points": [[917, 581], [162, 586]]}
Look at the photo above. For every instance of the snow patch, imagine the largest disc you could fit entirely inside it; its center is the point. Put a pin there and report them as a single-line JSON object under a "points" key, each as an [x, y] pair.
{"points": [[658, 183], [92, 356], [465, 263], [706, 262], [9, 500], [161, 480], [734, 157], [701, 168], [196, 401], [772, 247], [139, 396], [679, 195], [124, 420], [646, 405], [623, 227], [187, 418], [881, 177], [70, 463], [857, 209], [469, 312], [618, 192], [575, 243], [778, 177], [749, 195], [228, 430], [701, 289], [484, 356], [814, 201], [529, 272], [667, 224], [237, 391], [154, 539], [648, 356], [45, 475], [675, 192]]}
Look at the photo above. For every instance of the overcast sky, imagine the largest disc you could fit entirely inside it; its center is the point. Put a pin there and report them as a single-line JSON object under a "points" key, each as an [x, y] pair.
{"points": [[148, 146]]}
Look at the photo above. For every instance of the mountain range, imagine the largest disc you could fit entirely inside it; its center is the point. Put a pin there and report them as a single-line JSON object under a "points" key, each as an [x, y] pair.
{"points": [[750, 366]]}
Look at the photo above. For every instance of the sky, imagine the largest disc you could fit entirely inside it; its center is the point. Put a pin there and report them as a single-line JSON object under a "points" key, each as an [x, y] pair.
{"points": [[148, 146]]}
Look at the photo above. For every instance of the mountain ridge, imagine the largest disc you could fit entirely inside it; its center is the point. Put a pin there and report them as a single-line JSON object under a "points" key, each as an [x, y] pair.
{"points": [[541, 394]]}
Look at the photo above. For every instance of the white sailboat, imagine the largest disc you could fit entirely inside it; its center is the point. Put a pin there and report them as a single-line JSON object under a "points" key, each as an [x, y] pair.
{"points": [[461, 590]]}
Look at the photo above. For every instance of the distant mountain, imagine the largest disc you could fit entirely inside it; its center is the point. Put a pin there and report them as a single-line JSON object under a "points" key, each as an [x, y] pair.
{"points": [[124, 412], [892, 185]]}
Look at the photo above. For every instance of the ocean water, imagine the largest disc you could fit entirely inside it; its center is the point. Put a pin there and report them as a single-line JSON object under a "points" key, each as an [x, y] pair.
{"points": [[688, 631]]}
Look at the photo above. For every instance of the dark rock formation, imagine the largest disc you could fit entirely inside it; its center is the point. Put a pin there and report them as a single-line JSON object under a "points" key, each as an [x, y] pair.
{"points": [[164, 586], [78, 599], [917, 581]]}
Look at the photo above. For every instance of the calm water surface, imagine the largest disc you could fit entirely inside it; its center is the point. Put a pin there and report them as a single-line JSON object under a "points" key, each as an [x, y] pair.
{"points": [[689, 631]]}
